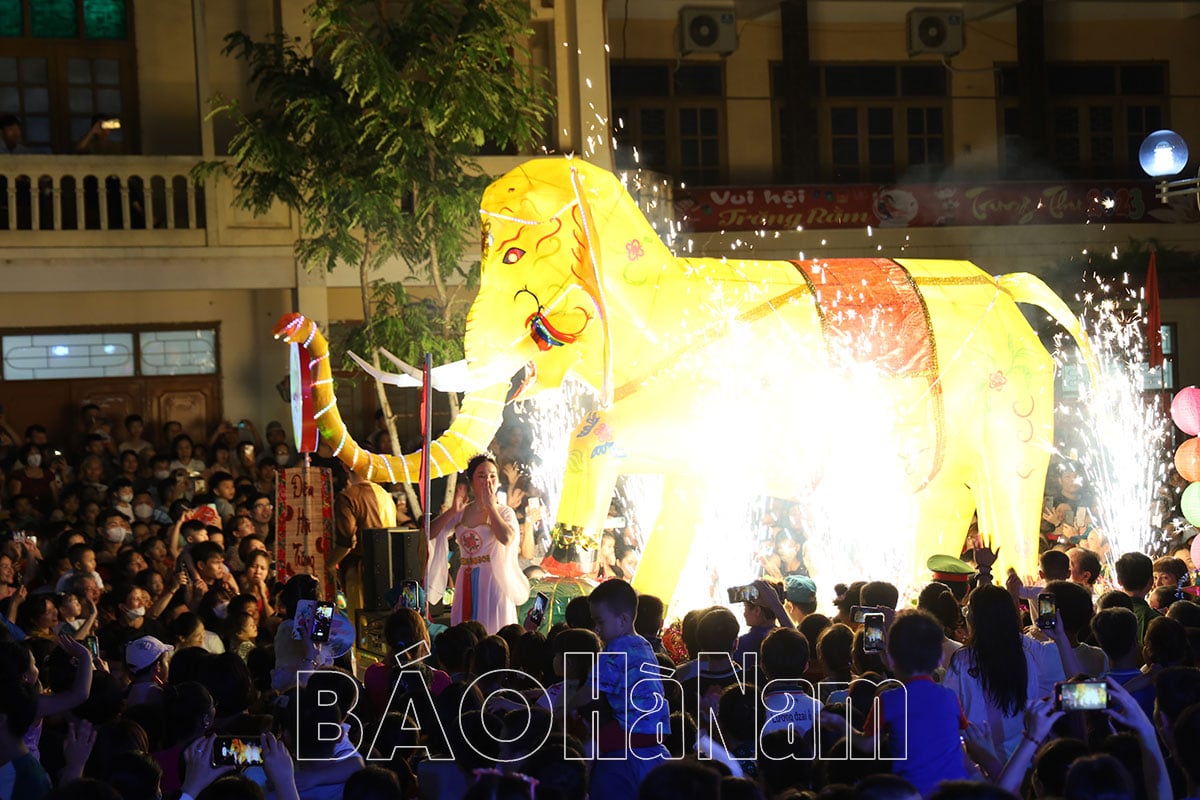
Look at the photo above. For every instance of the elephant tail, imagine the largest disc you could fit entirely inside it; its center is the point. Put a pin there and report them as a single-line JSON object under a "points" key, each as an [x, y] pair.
{"points": [[1032, 290], [471, 432]]}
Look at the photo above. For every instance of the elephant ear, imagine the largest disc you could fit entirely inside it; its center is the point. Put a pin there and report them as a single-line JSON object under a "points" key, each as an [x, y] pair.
{"points": [[589, 276]]}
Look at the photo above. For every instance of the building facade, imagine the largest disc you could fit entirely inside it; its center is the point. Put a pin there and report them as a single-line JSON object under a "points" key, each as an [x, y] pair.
{"points": [[793, 129]]}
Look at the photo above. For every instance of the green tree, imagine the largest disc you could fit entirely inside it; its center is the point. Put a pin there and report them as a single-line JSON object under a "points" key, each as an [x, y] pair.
{"points": [[370, 130]]}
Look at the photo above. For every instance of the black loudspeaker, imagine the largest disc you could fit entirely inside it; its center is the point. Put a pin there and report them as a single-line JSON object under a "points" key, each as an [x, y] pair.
{"points": [[390, 555], [369, 628]]}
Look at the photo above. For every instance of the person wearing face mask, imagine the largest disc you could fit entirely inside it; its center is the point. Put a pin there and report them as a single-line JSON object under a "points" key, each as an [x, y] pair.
{"points": [[122, 497], [160, 468], [114, 531], [143, 507], [283, 455], [33, 481], [132, 622]]}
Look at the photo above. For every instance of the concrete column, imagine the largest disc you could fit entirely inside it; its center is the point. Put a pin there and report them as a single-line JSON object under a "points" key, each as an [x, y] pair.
{"points": [[203, 93], [309, 295], [270, 358], [581, 70]]}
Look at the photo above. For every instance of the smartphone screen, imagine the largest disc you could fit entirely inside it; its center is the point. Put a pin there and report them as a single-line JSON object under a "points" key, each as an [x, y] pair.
{"points": [[538, 612], [93, 646], [743, 594], [872, 632], [1046, 610], [322, 621], [858, 612], [410, 596], [237, 751], [1083, 696]]}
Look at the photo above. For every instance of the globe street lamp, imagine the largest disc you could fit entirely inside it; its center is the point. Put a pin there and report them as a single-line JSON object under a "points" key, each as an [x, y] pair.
{"points": [[1165, 153]]}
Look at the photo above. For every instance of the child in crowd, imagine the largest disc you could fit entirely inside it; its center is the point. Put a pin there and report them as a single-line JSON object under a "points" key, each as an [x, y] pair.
{"points": [[625, 696], [920, 724], [1116, 631], [787, 697], [83, 562], [570, 665]]}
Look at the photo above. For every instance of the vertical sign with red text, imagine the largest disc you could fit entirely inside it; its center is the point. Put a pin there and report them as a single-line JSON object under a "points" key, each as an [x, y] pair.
{"points": [[304, 524]]}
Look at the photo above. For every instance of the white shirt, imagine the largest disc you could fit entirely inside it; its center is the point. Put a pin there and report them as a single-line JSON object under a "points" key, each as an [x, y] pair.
{"points": [[978, 708]]}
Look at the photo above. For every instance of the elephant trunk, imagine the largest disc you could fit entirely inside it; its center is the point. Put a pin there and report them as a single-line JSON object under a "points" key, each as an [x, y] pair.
{"points": [[471, 432]]}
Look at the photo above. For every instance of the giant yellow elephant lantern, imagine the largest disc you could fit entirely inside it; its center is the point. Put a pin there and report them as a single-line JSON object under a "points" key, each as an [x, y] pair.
{"points": [[574, 280]]}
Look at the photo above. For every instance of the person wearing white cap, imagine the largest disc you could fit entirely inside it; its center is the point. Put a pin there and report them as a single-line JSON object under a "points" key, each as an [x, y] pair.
{"points": [[146, 658]]}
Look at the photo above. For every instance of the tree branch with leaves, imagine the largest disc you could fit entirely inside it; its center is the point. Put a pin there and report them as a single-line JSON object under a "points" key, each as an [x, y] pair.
{"points": [[370, 128]]}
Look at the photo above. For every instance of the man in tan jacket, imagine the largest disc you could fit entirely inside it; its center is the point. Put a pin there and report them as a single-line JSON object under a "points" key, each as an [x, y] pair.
{"points": [[361, 506]]}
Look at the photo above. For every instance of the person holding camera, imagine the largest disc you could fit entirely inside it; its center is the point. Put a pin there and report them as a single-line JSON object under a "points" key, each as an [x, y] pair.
{"points": [[763, 611]]}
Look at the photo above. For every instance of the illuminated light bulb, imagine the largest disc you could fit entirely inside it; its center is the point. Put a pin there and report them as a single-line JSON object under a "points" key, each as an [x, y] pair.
{"points": [[1163, 153]]}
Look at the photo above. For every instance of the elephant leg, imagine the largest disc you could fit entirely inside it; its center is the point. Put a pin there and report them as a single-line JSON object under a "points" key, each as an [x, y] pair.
{"points": [[943, 516], [594, 459], [671, 541], [1012, 472]]}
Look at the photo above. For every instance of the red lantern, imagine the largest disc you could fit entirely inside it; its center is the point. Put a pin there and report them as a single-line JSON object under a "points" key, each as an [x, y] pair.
{"points": [[1185, 410], [1187, 460]]}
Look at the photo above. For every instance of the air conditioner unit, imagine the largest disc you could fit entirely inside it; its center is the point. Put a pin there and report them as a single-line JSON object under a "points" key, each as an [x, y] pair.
{"points": [[707, 30], [935, 30]]}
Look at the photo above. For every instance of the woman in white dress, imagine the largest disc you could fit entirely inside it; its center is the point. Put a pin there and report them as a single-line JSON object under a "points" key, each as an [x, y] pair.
{"points": [[995, 674], [489, 585]]}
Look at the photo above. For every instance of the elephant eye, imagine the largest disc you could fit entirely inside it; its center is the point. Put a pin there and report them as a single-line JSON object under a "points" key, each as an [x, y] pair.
{"points": [[513, 255]]}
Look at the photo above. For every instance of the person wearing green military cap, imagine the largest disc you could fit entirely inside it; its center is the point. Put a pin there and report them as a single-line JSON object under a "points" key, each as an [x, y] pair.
{"points": [[954, 572]]}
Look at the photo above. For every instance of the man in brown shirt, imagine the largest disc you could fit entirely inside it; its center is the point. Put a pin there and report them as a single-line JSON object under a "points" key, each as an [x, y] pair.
{"points": [[361, 506]]}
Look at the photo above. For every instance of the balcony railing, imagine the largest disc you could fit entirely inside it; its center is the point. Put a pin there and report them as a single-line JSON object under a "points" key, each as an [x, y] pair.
{"points": [[139, 201], [99, 200]]}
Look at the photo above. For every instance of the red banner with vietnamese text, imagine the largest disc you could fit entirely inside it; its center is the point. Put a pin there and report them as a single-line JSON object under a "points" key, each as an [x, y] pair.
{"points": [[751, 208], [304, 525]]}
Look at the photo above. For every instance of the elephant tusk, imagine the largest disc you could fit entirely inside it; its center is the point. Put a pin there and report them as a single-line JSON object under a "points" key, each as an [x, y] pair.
{"points": [[402, 381], [453, 377], [405, 367], [456, 376]]}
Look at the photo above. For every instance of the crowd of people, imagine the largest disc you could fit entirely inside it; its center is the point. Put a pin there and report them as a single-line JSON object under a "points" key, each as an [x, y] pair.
{"points": [[147, 651]]}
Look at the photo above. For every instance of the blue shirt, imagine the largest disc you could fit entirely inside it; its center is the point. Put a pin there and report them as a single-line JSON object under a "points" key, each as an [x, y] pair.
{"points": [[751, 641], [628, 675], [922, 723]]}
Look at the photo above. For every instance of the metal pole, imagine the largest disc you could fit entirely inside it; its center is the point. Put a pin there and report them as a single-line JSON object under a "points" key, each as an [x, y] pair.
{"points": [[427, 428]]}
